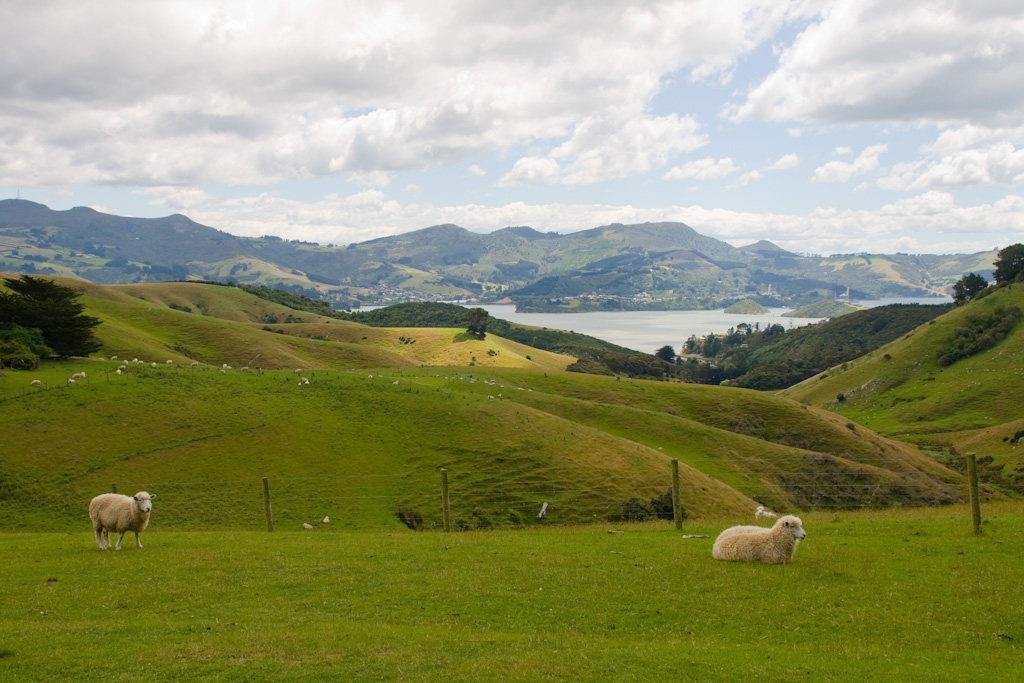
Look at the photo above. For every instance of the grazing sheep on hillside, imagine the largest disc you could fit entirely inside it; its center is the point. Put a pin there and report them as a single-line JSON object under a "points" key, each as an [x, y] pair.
{"points": [[78, 375], [762, 512], [120, 514], [170, 362], [194, 364], [113, 358], [71, 381], [36, 383], [774, 545]]}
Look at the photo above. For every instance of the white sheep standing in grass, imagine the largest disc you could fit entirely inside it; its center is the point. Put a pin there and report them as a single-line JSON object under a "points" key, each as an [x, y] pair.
{"points": [[761, 511], [120, 514], [774, 545]]}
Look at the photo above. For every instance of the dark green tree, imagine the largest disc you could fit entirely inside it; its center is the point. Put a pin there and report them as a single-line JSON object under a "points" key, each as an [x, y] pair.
{"points": [[1009, 263], [37, 303], [666, 353], [967, 287], [476, 321]]}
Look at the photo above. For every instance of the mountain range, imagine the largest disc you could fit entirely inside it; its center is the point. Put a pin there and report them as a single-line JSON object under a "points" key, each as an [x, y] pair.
{"points": [[612, 267]]}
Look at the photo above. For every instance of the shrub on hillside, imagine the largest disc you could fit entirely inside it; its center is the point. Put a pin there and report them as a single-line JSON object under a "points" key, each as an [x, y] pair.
{"points": [[411, 518], [978, 333], [21, 347], [662, 506], [637, 509]]}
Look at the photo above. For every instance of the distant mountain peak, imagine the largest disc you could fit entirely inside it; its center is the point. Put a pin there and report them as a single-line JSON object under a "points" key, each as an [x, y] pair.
{"points": [[526, 232], [766, 248]]}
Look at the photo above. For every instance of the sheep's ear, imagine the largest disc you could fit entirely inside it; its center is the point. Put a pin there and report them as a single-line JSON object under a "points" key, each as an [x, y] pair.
{"points": [[152, 496], [787, 523], [135, 497]]}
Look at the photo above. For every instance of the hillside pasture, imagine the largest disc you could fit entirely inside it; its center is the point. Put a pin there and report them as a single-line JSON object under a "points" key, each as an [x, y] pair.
{"points": [[216, 325], [896, 595], [900, 390], [360, 444]]}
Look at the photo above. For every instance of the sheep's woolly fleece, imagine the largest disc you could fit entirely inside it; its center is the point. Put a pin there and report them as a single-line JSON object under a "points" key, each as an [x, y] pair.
{"points": [[120, 514], [774, 545]]}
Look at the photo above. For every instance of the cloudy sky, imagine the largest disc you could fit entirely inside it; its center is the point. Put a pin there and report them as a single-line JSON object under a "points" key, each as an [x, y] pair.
{"points": [[823, 125]]}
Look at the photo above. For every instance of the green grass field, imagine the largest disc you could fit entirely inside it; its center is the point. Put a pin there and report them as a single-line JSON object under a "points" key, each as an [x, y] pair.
{"points": [[511, 438], [900, 595]]}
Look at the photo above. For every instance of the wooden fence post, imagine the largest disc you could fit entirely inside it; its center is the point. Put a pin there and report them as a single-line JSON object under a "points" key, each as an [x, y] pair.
{"points": [[266, 504], [445, 507], [972, 479], [677, 507], [113, 487]]}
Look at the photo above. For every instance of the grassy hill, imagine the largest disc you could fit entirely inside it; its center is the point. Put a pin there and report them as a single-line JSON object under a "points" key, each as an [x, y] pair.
{"points": [[823, 309], [747, 307], [774, 358], [188, 322], [612, 267], [904, 391], [386, 408]]}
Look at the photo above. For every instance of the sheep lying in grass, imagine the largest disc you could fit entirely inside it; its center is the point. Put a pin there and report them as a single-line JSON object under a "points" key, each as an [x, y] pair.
{"points": [[120, 514], [774, 545], [762, 512]]}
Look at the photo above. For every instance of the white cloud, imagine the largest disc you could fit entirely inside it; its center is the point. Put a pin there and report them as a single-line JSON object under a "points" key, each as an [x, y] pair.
{"points": [[180, 92], [930, 222], [785, 163], [961, 158], [843, 171], [476, 170], [749, 177], [877, 60], [842, 151], [532, 171], [702, 169], [609, 147]]}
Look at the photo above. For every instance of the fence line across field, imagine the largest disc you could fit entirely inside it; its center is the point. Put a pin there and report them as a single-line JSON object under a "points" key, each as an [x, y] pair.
{"points": [[522, 497], [454, 500]]}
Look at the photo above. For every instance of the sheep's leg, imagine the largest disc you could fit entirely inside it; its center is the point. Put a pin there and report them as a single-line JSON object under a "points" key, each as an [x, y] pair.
{"points": [[138, 539], [99, 538], [119, 539]]}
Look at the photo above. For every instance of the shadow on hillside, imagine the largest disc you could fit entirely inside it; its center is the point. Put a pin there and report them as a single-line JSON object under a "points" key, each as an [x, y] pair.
{"points": [[466, 336]]}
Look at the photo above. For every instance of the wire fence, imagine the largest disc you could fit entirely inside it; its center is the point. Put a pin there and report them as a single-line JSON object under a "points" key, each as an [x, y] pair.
{"points": [[472, 499]]}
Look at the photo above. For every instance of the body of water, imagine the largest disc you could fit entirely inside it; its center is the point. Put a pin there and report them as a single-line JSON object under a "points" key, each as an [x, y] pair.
{"points": [[648, 331]]}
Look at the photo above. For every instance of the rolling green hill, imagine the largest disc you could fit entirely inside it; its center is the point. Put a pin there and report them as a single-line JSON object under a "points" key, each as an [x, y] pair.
{"points": [[823, 309], [904, 390], [612, 267], [385, 408]]}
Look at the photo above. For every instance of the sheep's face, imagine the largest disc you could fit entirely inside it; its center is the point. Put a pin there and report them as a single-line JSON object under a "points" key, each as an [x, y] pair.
{"points": [[794, 526], [144, 501]]}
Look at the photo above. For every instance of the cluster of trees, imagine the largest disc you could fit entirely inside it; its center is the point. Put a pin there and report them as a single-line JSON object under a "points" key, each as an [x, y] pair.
{"points": [[774, 358], [977, 333], [40, 318], [1009, 267], [295, 300]]}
